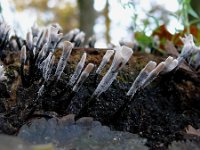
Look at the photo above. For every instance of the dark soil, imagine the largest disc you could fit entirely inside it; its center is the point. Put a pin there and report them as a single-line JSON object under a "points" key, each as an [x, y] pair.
{"points": [[160, 112]]}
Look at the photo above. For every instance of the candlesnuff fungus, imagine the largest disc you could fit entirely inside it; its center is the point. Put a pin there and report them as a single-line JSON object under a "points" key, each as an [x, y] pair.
{"points": [[2, 73], [120, 59], [154, 73], [23, 55], [29, 40], [78, 70], [67, 48], [105, 60], [4, 31], [170, 64], [35, 30], [79, 39], [151, 72], [41, 55], [71, 35], [54, 38], [45, 64], [83, 76], [139, 81], [41, 90], [189, 49], [49, 69], [91, 41]]}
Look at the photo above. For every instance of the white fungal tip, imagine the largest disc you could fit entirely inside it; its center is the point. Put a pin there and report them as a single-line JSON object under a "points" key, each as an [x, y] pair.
{"points": [[108, 54], [80, 36], [23, 55], [67, 45], [150, 66], [29, 39], [105, 60], [121, 57], [160, 67], [2, 73], [89, 68]]}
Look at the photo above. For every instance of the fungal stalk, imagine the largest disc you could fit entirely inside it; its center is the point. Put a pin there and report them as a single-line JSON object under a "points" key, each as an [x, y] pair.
{"points": [[120, 59], [170, 64], [189, 48], [71, 35], [139, 81], [45, 64], [4, 31], [2, 73], [40, 91], [54, 38], [67, 48], [154, 74], [79, 39], [83, 77], [29, 40], [35, 30], [41, 55], [105, 60], [78, 70], [49, 69]]}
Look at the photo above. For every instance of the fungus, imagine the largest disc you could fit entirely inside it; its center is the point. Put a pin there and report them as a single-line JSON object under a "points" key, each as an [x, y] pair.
{"points": [[120, 59], [2, 73], [78, 70], [189, 48], [105, 60], [83, 77], [139, 81], [154, 73], [79, 39], [54, 38], [67, 48], [29, 40], [170, 64]]}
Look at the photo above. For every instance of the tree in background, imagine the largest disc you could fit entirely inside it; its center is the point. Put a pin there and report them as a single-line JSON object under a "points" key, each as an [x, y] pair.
{"points": [[87, 16]]}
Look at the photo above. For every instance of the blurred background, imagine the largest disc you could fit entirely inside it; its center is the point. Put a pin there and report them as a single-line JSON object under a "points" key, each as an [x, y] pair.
{"points": [[110, 20]]}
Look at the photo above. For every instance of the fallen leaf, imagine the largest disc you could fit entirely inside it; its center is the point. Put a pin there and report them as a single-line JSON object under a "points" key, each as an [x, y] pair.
{"points": [[190, 130]]}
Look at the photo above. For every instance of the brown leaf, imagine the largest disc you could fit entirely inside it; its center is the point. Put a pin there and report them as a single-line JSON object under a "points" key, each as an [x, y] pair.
{"points": [[191, 130], [170, 49]]}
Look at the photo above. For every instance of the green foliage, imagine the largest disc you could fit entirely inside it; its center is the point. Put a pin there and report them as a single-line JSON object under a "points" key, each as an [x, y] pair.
{"points": [[185, 11], [144, 40]]}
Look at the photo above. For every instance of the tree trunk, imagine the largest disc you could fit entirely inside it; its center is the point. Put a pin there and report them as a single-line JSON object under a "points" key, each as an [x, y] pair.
{"points": [[87, 16]]}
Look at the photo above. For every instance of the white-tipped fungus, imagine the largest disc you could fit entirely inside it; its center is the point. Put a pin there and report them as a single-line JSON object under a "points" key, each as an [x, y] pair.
{"points": [[35, 30], [120, 59], [170, 64], [79, 39], [49, 69], [2, 73], [67, 48], [154, 73], [139, 81], [40, 91], [23, 55], [54, 37], [83, 77], [45, 64], [29, 40], [105, 60], [78, 70], [42, 54]]}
